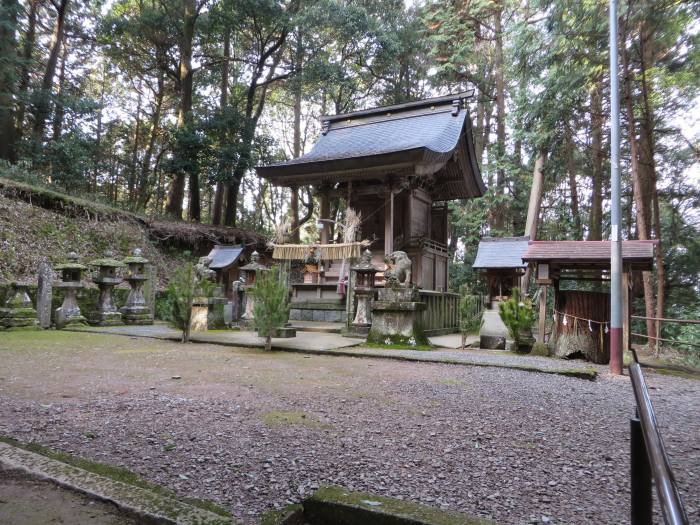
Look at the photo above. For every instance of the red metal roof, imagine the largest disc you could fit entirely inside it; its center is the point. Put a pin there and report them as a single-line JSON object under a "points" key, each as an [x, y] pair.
{"points": [[588, 251]]}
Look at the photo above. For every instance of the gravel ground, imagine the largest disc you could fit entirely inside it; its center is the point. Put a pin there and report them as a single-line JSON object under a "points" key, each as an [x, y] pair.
{"points": [[252, 430]]}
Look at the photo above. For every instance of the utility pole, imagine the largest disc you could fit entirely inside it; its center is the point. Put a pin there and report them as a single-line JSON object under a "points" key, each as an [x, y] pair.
{"points": [[615, 240]]}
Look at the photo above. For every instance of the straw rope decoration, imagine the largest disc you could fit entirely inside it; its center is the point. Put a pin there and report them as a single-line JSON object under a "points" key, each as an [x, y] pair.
{"points": [[603, 325], [299, 252]]}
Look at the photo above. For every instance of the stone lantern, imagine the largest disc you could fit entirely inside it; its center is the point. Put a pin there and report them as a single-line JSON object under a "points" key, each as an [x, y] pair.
{"points": [[249, 273], [18, 311], [106, 278], [136, 311], [364, 290], [71, 281]]}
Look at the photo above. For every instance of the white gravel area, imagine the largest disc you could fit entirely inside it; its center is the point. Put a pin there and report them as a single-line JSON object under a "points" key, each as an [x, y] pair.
{"points": [[253, 431]]}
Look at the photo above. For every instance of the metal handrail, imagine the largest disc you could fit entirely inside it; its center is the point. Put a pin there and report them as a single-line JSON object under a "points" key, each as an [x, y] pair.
{"points": [[658, 464]]}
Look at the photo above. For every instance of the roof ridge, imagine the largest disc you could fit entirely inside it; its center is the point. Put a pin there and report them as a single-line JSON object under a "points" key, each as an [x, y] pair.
{"points": [[444, 99]]}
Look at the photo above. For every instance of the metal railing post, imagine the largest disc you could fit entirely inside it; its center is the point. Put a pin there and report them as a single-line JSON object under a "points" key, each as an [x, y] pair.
{"points": [[640, 476]]}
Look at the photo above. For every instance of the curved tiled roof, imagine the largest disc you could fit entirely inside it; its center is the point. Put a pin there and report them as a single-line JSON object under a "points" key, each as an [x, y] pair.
{"points": [[423, 138], [501, 253], [434, 130]]}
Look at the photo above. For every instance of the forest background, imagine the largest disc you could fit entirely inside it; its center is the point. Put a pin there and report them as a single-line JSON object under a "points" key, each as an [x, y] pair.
{"points": [[164, 107]]}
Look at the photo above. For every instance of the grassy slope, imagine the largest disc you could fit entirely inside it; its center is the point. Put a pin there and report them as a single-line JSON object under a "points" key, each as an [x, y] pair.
{"points": [[30, 234]]}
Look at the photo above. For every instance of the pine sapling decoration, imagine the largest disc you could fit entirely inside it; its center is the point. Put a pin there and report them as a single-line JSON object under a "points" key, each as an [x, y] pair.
{"points": [[469, 313], [271, 309], [184, 287], [518, 316]]}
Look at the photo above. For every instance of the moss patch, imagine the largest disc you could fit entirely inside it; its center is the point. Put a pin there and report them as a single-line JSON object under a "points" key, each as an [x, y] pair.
{"points": [[288, 419], [338, 505], [399, 346], [115, 473]]}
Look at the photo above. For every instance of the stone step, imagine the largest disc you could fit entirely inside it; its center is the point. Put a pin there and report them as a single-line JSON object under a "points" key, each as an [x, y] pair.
{"points": [[317, 327]]}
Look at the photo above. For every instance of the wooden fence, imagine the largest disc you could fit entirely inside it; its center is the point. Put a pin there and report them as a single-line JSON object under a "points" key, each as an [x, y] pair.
{"points": [[441, 313]]}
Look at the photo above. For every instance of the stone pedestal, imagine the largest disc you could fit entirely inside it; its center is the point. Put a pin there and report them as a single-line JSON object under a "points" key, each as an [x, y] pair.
{"points": [[250, 272], [68, 313], [396, 317], [364, 291], [44, 295], [208, 314], [106, 312], [18, 311], [136, 310]]}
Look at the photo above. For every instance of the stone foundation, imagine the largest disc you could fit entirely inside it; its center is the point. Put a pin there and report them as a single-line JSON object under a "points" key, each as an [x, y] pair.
{"points": [[396, 317]]}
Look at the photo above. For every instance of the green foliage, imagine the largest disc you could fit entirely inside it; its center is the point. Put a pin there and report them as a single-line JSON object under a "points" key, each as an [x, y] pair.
{"points": [[469, 312], [518, 315], [271, 310], [182, 290]]}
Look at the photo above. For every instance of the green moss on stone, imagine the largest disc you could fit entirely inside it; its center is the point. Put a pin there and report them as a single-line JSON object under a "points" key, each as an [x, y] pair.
{"points": [[338, 505], [291, 513], [115, 473]]}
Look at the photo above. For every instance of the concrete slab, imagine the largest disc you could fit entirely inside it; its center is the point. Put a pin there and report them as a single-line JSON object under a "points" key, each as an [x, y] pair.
{"points": [[493, 332], [454, 341], [303, 340], [138, 501]]}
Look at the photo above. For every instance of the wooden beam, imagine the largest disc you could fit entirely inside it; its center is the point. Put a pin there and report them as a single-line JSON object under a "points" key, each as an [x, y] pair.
{"points": [[626, 309], [325, 214], [389, 221], [543, 313]]}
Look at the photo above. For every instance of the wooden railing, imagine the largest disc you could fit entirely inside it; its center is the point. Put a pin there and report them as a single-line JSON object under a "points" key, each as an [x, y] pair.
{"points": [[441, 313]]}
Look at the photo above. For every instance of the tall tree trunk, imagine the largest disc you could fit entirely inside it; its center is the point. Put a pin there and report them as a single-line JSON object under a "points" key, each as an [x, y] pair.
{"points": [[60, 111], [42, 96], [25, 66], [223, 103], [183, 155], [8, 79], [294, 203], [573, 187], [595, 223], [648, 164], [131, 180], [145, 181], [534, 206], [253, 111], [499, 213], [640, 199]]}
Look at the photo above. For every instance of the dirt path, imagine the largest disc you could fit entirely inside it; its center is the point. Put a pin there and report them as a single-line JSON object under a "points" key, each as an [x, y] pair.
{"points": [[252, 430]]}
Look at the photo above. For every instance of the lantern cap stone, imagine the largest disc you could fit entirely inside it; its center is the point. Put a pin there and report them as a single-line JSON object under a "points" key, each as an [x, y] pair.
{"points": [[136, 257], [365, 264], [71, 263], [254, 264], [107, 261]]}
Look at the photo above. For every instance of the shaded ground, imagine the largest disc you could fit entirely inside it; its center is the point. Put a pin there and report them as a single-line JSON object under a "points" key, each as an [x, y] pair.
{"points": [[252, 430], [26, 501]]}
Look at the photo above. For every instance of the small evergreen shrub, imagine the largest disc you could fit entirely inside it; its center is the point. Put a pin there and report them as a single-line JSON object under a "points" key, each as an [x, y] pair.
{"points": [[183, 288], [271, 310], [518, 316]]}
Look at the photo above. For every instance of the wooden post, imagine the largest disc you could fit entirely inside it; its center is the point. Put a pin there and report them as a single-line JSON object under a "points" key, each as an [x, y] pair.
{"points": [[294, 209], [325, 214], [389, 222], [626, 309], [543, 313]]}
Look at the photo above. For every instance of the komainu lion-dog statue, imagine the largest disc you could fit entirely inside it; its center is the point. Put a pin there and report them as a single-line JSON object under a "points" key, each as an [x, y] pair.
{"points": [[400, 273]]}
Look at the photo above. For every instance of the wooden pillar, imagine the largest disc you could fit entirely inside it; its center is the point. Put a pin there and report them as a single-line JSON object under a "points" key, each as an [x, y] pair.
{"points": [[626, 309], [389, 222], [325, 214], [294, 209], [543, 313]]}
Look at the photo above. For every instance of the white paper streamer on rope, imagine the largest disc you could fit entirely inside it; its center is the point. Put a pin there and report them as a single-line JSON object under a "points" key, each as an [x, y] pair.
{"points": [[564, 322], [590, 326], [606, 328]]}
